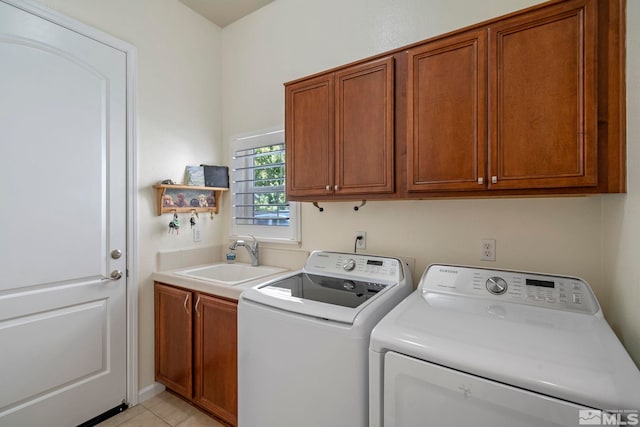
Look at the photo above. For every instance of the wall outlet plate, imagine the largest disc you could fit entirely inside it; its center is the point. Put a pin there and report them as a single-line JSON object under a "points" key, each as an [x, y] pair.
{"points": [[362, 243], [487, 249]]}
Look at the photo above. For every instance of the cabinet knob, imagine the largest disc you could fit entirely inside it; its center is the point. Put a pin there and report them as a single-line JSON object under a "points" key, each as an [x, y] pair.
{"points": [[481, 180], [328, 188], [494, 179], [336, 187]]}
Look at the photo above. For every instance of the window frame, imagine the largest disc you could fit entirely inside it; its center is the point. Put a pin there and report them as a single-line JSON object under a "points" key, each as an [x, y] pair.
{"points": [[270, 233]]}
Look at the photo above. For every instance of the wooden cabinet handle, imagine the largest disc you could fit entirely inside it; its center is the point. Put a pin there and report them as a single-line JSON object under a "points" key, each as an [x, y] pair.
{"points": [[185, 304]]}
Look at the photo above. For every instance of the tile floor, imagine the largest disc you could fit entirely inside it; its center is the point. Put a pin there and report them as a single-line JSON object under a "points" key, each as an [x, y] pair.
{"points": [[162, 410]]}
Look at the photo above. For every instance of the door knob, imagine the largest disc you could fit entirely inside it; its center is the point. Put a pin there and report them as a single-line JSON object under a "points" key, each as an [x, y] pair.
{"points": [[116, 253], [115, 275]]}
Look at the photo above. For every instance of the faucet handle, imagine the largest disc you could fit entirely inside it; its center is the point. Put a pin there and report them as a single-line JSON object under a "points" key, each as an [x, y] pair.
{"points": [[255, 241]]}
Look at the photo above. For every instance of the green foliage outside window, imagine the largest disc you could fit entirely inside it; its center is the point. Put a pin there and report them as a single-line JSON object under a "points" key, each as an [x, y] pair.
{"points": [[269, 172]]}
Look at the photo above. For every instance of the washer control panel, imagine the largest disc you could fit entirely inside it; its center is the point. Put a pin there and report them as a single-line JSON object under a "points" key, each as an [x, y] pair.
{"points": [[559, 292], [355, 266]]}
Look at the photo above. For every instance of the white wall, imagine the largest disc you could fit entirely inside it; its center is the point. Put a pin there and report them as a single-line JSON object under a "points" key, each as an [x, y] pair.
{"points": [[179, 120], [591, 237], [621, 229]]}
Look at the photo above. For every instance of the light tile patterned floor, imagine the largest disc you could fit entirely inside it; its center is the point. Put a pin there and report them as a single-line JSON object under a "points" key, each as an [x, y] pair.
{"points": [[162, 410]]}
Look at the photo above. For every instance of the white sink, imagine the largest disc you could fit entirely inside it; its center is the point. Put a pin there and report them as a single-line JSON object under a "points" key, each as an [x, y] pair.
{"points": [[230, 274]]}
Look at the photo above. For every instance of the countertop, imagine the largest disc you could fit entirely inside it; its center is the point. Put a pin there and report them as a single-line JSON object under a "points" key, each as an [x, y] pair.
{"points": [[219, 289]]}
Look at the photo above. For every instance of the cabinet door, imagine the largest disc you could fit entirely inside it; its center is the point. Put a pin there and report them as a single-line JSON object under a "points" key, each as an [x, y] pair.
{"points": [[542, 98], [364, 128], [309, 117], [216, 366], [173, 338], [446, 111]]}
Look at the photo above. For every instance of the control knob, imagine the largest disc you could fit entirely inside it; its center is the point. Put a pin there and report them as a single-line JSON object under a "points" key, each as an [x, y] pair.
{"points": [[497, 285], [349, 265]]}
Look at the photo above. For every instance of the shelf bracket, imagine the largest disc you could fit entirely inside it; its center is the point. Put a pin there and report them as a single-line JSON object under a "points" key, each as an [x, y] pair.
{"points": [[357, 208]]}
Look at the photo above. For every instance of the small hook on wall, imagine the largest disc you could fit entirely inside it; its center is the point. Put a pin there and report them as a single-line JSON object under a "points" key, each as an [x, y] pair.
{"points": [[321, 209], [357, 208]]}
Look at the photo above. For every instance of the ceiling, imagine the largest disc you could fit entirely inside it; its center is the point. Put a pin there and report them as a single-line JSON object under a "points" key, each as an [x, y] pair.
{"points": [[224, 12]]}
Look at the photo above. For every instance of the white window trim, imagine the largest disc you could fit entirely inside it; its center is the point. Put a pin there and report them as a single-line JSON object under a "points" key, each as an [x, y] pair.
{"points": [[264, 233]]}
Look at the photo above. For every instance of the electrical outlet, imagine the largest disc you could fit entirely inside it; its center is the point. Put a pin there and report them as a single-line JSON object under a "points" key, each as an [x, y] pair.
{"points": [[196, 234], [487, 249], [362, 243]]}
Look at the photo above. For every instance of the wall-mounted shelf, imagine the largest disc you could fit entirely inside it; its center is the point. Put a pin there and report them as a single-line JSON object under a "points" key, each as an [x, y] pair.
{"points": [[188, 198]]}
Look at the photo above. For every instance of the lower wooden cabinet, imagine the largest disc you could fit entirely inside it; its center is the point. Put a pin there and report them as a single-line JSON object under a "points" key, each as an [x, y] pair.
{"points": [[196, 348], [215, 357], [173, 339]]}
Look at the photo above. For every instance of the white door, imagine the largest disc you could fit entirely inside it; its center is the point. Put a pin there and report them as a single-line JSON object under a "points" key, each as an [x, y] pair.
{"points": [[421, 394], [63, 199]]}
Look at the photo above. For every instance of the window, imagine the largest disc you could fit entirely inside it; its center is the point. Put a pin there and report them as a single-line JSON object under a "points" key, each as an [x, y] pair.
{"points": [[260, 206]]}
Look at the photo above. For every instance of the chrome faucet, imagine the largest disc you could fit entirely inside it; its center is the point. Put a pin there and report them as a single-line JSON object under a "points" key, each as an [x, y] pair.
{"points": [[251, 248]]}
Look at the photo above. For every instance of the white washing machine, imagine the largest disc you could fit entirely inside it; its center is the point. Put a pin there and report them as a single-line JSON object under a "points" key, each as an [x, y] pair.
{"points": [[303, 340], [494, 348]]}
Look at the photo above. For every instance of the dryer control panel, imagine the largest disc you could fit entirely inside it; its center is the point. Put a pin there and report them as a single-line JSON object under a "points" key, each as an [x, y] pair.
{"points": [[558, 292]]}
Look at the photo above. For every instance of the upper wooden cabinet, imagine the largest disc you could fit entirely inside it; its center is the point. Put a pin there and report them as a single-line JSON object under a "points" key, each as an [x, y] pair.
{"points": [[309, 133], [532, 103], [539, 108], [543, 98], [339, 132], [446, 113]]}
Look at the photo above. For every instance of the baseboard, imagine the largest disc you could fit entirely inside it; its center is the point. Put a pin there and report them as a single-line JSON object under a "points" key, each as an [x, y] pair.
{"points": [[150, 391]]}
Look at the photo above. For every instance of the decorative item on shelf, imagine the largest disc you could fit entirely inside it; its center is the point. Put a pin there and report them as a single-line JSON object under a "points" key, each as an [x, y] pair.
{"points": [[216, 176], [192, 219], [321, 209], [194, 175], [357, 208]]}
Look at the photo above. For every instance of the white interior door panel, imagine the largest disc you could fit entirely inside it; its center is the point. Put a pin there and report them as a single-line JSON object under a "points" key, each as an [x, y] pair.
{"points": [[63, 186]]}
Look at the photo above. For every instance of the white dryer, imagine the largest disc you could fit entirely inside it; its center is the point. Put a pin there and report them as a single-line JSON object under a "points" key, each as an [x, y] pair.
{"points": [[495, 348], [303, 340]]}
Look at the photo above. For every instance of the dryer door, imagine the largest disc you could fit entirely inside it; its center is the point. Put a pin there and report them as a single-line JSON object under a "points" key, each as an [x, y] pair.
{"points": [[419, 393]]}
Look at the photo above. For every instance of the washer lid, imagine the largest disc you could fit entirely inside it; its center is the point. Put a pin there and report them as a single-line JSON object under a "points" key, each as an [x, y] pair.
{"points": [[568, 355], [332, 298]]}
